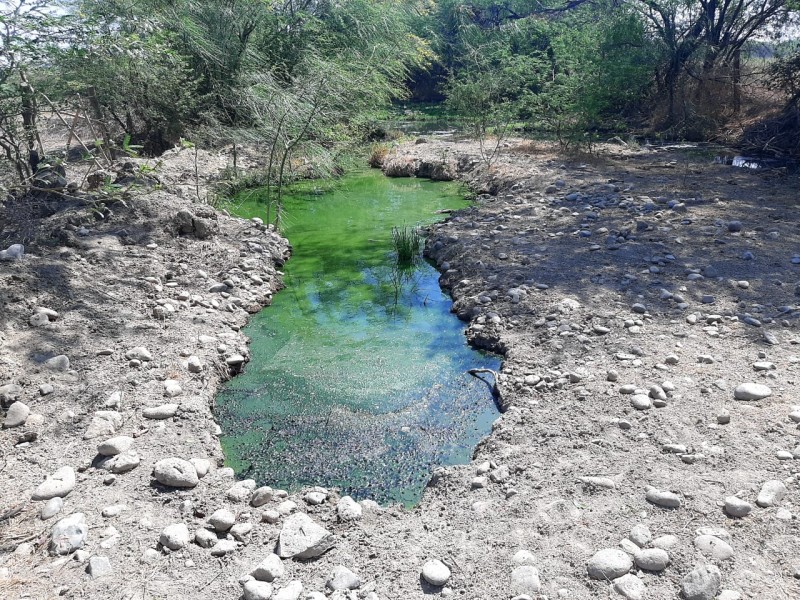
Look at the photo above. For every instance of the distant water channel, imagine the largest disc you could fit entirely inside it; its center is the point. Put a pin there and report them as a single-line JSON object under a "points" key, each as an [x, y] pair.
{"points": [[358, 372]]}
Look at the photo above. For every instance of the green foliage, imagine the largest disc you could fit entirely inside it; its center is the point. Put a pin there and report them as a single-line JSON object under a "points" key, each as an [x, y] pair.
{"points": [[128, 69], [307, 80], [580, 72], [785, 74]]}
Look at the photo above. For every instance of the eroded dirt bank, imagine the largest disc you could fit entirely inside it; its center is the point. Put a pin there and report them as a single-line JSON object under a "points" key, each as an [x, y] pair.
{"points": [[639, 278]]}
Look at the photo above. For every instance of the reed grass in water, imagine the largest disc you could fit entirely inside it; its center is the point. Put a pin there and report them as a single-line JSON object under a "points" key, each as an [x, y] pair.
{"points": [[407, 243]]}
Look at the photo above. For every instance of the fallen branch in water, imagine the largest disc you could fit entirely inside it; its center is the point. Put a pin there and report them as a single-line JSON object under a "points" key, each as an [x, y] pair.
{"points": [[496, 393]]}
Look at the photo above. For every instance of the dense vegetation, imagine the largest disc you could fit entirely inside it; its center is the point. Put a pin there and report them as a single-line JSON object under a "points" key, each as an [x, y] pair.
{"points": [[308, 78]]}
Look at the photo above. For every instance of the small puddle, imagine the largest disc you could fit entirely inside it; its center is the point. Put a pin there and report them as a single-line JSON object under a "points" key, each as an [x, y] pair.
{"points": [[742, 162], [357, 377]]}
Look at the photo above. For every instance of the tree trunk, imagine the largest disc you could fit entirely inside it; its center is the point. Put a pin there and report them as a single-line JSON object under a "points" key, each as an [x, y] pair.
{"points": [[737, 82], [94, 103]]}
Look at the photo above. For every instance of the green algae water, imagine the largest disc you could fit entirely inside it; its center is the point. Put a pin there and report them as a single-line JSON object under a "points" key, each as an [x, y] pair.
{"points": [[357, 378]]}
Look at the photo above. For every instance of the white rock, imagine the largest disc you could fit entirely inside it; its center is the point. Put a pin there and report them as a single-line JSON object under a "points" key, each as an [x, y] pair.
{"points": [[629, 586], [269, 569], [104, 424], [240, 531], [69, 534], [172, 388], [315, 498], [241, 491], [150, 556], [38, 320], [176, 472], [122, 463], [500, 475], [261, 496], [57, 363], [302, 537], [205, 538], [13, 252], [271, 516], [525, 580], [194, 365], [223, 547], [235, 360], [608, 564], [348, 509], [701, 583], [736, 507], [435, 572], [222, 519], [140, 353], [160, 413], [713, 547], [752, 391], [343, 578], [772, 492], [663, 498], [17, 415], [666, 542], [113, 511], [175, 536], [292, 591], [58, 485], [640, 535], [99, 566], [257, 590], [51, 508], [641, 402], [651, 559], [115, 445], [201, 465], [717, 532], [598, 482], [479, 482], [628, 546]]}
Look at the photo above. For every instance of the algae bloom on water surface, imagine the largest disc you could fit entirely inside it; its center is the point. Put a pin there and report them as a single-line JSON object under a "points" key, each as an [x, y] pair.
{"points": [[357, 377]]}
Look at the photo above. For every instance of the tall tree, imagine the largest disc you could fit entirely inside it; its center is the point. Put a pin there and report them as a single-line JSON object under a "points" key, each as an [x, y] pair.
{"points": [[699, 37]]}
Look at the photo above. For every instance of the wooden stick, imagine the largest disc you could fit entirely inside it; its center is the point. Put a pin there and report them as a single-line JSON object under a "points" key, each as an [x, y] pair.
{"points": [[80, 141], [497, 395], [75, 118]]}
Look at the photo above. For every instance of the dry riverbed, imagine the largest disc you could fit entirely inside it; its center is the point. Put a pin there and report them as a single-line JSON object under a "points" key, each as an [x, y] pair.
{"points": [[632, 294]]}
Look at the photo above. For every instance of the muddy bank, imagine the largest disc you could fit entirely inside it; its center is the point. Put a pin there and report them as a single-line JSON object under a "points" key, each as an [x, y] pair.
{"points": [[632, 294]]}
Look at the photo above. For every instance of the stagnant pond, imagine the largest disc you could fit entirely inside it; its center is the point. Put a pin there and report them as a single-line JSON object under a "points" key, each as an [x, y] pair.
{"points": [[357, 376]]}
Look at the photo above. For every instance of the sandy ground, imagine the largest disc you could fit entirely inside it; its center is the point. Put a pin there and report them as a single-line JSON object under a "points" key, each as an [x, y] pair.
{"points": [[595, 276]]}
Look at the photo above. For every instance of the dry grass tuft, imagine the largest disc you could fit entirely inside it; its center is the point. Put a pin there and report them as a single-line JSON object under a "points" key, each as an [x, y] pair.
{"points": [[378, 155]]}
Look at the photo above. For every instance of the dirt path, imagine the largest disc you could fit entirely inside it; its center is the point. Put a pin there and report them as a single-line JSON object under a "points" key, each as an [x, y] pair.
{"points": [[641, 278]]}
